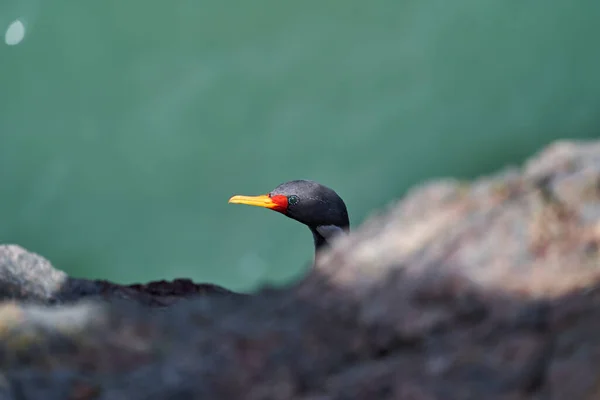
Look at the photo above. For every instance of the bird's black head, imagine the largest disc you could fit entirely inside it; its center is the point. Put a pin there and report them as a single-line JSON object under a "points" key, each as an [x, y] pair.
{"points": [[308, 202]]}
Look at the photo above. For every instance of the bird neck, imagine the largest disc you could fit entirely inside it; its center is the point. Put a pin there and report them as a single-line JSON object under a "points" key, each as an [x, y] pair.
{"points": [[320, 241], [323, 235]]}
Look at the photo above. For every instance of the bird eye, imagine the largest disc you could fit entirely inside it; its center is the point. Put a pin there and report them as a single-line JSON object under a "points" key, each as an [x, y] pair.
{"points": [[293, 200]]}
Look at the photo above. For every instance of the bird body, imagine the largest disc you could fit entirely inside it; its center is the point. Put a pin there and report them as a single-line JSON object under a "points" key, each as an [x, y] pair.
{"points": [[318, 207]]}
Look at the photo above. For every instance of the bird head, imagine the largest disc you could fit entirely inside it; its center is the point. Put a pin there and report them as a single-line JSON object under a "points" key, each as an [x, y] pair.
{"points": [[308, 202]]}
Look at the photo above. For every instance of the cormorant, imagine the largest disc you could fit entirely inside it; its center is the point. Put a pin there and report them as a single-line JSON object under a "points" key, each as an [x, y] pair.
{"points": [[316, 206]]}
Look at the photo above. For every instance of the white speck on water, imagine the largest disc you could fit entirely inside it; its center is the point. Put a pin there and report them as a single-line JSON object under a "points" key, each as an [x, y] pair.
{"points": [[14, 33]]}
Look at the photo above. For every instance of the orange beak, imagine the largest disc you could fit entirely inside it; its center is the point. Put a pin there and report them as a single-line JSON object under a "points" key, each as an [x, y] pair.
{"points": [[258, 201], [277, 203]]}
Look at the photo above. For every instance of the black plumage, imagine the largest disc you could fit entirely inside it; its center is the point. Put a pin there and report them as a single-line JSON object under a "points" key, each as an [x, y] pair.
{"points": [[318, 207]]}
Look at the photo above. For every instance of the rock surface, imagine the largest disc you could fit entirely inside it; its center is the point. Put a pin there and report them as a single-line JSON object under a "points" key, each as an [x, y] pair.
{"points": [[463, 290], [27, 276]]}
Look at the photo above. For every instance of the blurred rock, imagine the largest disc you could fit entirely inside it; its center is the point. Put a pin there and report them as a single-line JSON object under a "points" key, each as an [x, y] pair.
{"points": [[463, 290], [27, 276]]}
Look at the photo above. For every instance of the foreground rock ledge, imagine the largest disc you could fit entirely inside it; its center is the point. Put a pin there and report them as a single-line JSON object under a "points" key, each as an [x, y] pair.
{"points": [[481, 290]]}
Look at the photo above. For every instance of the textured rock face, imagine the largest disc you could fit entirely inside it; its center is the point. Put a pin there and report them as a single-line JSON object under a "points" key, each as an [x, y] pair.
{"points": [[463, 290], [27, 276]]}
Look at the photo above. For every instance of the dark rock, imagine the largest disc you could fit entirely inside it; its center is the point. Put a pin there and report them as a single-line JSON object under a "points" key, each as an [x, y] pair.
{"points": [[482, 290], [27, 276]]}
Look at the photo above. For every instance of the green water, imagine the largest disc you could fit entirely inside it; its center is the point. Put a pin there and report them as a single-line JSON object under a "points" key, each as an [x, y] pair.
{"points": [[126, 125]]}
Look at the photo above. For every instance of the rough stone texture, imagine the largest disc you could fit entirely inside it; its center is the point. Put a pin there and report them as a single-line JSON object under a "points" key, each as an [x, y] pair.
{"points": [[463, 290], [27, 276]]}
